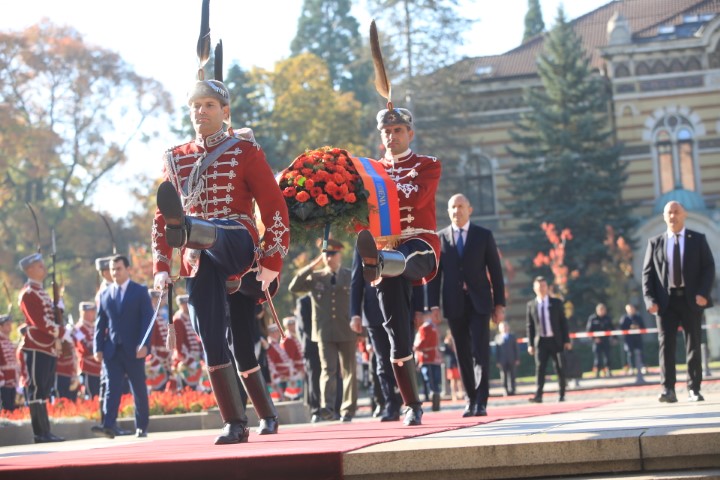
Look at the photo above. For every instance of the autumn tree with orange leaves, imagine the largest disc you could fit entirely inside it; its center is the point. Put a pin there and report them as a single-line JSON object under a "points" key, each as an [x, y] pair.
{"points": [[554, 259]]}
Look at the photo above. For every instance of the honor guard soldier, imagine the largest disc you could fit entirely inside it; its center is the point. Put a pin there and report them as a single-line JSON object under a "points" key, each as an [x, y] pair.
{"points": [[66, 373], [158, 368], [9, 366], [206, 213], [102, 265], [40, 345], [414, 260], [84, 333], [188, 350]]}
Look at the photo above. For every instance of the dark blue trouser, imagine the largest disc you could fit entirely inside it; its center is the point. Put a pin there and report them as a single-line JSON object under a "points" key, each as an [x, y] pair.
{"points": [[395, 295], [41, 375], [116, 368], [381, 346], [232, 253]]}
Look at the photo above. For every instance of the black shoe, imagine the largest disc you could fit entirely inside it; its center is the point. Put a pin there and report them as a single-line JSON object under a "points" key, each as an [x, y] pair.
{"points": [[100, 431], [346, 418], [233, 433], [535, 399], [413, 416], [170, 206], [667, 396], [367, 248], [267, 426], [48, 438], [119, 432], [561, 398], [469, 410], [140, 433], [377, 411], [695, 396], [390, 416], [480, 411], [316, 418]]}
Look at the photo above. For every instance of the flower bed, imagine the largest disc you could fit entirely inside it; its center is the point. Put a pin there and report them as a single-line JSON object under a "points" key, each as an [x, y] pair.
{"points": [[161, 403]]}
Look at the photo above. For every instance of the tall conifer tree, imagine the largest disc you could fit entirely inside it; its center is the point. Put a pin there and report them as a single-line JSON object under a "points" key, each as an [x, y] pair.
{"points": [[533, 20], [570, 173]]}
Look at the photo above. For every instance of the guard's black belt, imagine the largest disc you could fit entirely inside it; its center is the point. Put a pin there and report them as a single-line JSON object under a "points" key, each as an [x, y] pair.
{"points": [[677, 292]]}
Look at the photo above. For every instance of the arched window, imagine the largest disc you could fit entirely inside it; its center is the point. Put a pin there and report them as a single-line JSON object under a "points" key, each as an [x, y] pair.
{"points": [[674, 147], [479, 184]]}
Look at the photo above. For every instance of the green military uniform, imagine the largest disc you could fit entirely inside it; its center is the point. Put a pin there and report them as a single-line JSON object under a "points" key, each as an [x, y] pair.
{"points": [[331, 330]]}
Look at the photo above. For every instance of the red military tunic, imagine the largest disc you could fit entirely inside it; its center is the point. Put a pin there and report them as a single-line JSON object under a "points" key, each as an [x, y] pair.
{"points": [[42, 332], [294, 350], [188, 350], [417, 178], [9, 366], [427, 345], [228, 189], [84, 334]]}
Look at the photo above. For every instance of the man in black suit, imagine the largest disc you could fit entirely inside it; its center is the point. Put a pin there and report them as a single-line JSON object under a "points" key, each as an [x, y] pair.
{"points": [[548, 337], [678, 274], [473, 289]]}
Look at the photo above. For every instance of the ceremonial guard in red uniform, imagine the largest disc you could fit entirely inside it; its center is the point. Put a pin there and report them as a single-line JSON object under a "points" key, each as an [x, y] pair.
{"points": [[414, 260], [188, 350], [294, 349], [427, 355], [206, 214], [9, 366], [279, 362], [84, 333], [40, 345], [159, 367]]}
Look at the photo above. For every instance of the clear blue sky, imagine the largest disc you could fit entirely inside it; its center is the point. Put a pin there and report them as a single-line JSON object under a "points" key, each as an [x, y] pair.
{"points": [[158, 38]]}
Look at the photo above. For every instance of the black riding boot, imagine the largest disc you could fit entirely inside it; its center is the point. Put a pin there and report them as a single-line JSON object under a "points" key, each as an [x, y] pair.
{"points": [[182, 230], [256, 389], [378, 263], [227, 394], [406, 378], [41, 421]]}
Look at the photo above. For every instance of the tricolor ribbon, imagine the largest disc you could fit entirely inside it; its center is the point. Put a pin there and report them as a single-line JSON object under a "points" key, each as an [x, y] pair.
{"points": [[383, 204]]}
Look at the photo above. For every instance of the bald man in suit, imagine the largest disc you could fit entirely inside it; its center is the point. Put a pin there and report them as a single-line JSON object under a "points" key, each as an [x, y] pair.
{"points": [[678, 274]]}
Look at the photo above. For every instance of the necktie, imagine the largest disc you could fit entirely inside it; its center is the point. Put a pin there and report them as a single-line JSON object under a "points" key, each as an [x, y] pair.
{"points": [[677, 263], [542, 319], [118, 296], [333, 280], [460, 243]]}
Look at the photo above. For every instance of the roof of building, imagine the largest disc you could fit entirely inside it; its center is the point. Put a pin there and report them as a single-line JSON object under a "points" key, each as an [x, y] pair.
{"points": [[647, 19], [691, 201]]}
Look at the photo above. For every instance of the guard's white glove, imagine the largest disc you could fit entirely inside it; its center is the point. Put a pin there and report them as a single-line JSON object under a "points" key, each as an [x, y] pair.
{"points": [[266, 276], [161, 279]]}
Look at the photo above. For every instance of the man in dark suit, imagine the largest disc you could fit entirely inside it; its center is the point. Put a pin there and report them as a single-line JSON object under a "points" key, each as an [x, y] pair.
{"points": [[473, 289], [678, 274], [548, 337], [365, 312], [124, 314]]}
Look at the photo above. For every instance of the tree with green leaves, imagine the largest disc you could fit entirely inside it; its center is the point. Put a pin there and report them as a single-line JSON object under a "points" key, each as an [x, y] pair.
{"points": [[68, 113], [533, 20], [570, 173], [419, 36]]}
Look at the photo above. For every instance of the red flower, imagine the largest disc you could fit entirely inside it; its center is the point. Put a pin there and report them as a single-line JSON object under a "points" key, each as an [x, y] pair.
{"points": [[289, 192], [322, 200], [309, 183], [350, 198], [302, 197], [306, 171], [316, 192], [338, 177], [338, 194], [331, 187]]}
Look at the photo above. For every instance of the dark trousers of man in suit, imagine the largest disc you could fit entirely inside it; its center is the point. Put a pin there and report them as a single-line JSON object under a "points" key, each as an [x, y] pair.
{"points": [[677, 314], [116, 367], [471, 334], [548, 349]]}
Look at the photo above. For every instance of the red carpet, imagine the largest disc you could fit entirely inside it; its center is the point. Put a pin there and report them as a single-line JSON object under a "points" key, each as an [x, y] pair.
{"points": [[312, 452]]}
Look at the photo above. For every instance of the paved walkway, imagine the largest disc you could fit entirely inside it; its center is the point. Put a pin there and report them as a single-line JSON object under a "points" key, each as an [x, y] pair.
{"points": [[634, 436]]}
